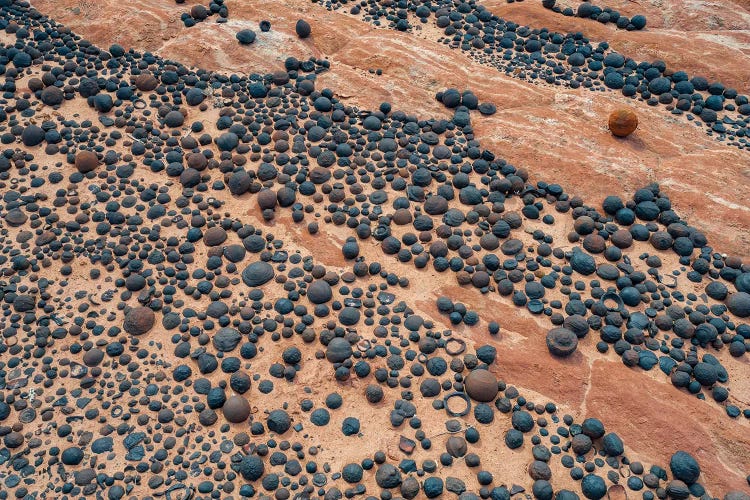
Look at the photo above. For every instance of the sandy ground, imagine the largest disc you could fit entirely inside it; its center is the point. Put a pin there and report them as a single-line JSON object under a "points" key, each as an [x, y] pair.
{"points": [[556, 134]]}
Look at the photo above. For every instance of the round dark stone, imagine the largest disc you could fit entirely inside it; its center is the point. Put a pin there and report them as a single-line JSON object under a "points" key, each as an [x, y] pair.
{"points": [[246, 36], [582, 263], [226, 339], [72, 456], [684, 467], [387, 476], [561, 342], [302, 28], [739, 304], [593, 487], [32, 136], [278, 421], [514, 439], [319, 292], [338, 350], [612, 445], [433, 487], [257, 274]]}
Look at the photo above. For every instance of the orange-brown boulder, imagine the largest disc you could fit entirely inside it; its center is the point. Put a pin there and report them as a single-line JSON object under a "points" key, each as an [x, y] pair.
{"points": [[481, 386], [623, 122], [86, 161], [146, 82]]}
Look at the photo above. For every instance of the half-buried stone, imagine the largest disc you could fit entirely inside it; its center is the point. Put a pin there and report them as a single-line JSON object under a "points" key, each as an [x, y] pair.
{"points": [[561, 342], [511, 246], [32, 136], [236, 409], [487, 108], [15, 217], [481, 385], [251, 467], [257, 274], [139, 320], [349, 316]]}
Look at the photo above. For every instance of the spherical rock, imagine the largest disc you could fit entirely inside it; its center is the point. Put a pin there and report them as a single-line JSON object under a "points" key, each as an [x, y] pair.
{"points": [[410, 488], [139, 320], [433, 487], [593, 428], [684, 467], [481, 385], [174, 119], [612, 445], [319, 292], [542, 489], [52, 96], [267, 199], [456, 446], [593, 487], [338, 350], [623, 122], [677, 489], [236, 409], [32, 136], [514, 439], [350, 426], [278, 421], [302, 28], [72, 456], [251, 467], [739, 304], [522, 421], [561, 342], [86, 161], [245, 37], [582, 262], [146, 82]]}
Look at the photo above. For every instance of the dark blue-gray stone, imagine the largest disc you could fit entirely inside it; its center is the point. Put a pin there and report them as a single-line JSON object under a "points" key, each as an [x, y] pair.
{"points": [[227, 339], [582, 263], [257, 274], [101, 445]]}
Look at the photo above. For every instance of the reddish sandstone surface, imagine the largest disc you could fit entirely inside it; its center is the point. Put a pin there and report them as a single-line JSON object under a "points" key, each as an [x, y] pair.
{"points": [[559, 135]]}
